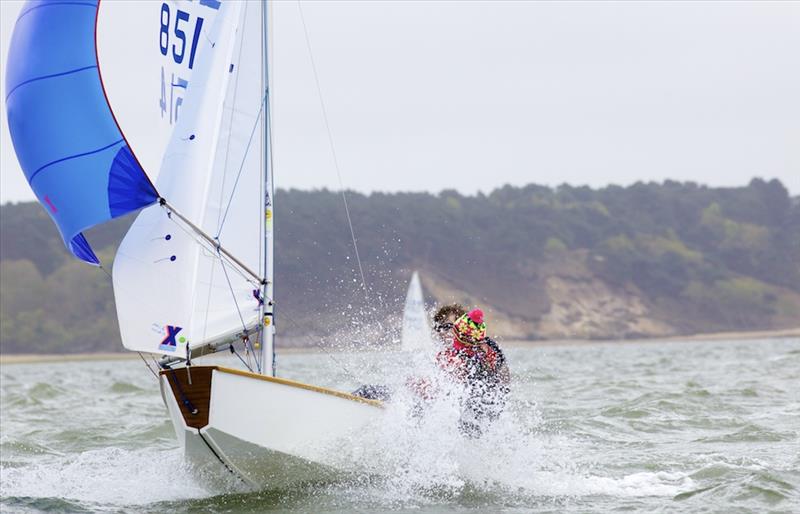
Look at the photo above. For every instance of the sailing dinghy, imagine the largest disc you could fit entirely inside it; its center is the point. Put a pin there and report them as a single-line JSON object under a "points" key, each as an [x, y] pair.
{"points": [[416, 332], [194, 274]]}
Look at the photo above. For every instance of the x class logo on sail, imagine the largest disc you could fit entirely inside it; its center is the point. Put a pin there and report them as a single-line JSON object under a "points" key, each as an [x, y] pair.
{"points": [[169, 344]]}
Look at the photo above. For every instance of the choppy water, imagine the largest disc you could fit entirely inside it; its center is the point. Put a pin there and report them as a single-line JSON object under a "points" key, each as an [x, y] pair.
{"points": [[682, 427]]}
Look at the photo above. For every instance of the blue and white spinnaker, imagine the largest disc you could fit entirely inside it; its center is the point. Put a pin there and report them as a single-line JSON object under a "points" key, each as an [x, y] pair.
{"points": [[68, 143]]}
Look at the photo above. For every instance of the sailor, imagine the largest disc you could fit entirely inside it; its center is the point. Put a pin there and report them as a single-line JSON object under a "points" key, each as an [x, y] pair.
{"points": [[476, 362], [442, 325]]}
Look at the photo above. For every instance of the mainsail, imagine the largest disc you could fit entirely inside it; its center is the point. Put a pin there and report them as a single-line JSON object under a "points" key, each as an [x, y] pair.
{"points": [[174, 287], [416, 331], [146, 54], [73, 153]]}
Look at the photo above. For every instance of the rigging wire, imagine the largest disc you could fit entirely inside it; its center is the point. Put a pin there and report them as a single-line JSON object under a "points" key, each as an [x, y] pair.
{"points": [[225, 163], [333, 151], [233, 295], [147, 364], [208, 246], [213, 250], [239, 312], [233, 351], [247, 341], [204, 245], [241, 166], [230, 120]]}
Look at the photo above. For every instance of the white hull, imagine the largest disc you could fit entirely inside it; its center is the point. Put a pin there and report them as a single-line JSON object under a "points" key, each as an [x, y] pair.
{"points": [[270, 432]]}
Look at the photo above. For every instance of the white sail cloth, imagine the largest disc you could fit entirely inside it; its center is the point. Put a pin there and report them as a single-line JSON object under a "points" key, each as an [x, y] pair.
{"points": [[137, 47], [173, 290], [416, 331]]}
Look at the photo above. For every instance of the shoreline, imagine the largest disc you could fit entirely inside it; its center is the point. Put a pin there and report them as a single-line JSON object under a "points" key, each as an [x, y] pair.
{"points": [[25, 358], [688, 338]]}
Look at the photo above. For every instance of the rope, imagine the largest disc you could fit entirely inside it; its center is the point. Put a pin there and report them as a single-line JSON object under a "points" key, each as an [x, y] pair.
{"points": [[297, 325], [184, 400], [233, 294], [238, 310], [147, 364], [233, 351], [333, 151]]}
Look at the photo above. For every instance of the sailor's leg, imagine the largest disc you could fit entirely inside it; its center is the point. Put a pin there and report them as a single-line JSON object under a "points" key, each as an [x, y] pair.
{"points": [[374, 392]]}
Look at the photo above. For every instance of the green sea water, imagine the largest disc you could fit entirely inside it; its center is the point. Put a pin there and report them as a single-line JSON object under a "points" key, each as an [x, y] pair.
{"points": [[607, 427]]}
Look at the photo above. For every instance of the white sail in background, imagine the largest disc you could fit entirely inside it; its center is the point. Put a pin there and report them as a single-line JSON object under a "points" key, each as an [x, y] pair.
{"points": [[416, 331], [139, 45], [168, 283]]}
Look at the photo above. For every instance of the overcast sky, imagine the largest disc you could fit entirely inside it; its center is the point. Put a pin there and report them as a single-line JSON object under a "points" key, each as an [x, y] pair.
{"points": [[424, 96]]}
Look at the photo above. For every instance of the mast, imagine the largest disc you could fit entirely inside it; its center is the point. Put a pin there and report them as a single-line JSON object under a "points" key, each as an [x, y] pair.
{"points": [[267, 307]]}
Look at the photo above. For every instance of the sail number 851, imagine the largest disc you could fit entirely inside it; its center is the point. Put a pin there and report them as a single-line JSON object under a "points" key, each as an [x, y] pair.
{"points": [[178, 32]]}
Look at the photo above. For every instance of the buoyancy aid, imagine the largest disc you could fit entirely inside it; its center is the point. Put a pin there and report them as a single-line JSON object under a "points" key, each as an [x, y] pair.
{"points": [[467, 362]]}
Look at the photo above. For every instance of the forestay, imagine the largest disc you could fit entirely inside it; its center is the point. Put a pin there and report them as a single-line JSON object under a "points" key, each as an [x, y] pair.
{"points": [[173, 289]]}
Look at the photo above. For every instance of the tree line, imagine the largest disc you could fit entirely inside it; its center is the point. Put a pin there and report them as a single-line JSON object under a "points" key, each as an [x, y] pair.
{"points": [[717, 256]]}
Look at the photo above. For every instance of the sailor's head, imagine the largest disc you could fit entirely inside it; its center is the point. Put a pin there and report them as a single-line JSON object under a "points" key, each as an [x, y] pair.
{"points": [[470, 328], [445, 317]]}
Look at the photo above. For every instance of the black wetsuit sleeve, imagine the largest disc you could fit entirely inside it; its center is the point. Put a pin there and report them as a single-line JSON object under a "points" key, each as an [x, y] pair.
{"points": [[501, 358]]}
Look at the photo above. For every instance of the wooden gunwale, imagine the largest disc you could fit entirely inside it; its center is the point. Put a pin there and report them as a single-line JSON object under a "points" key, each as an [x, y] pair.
{"points": [[287, 382], [300, 385]]}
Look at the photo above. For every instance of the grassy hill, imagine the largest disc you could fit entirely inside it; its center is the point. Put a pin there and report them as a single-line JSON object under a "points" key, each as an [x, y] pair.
{"points": [[645, 260]]}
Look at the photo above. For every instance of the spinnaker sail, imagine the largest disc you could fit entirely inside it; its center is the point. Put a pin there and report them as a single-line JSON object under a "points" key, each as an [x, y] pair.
{"points": [[69, 146]]}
